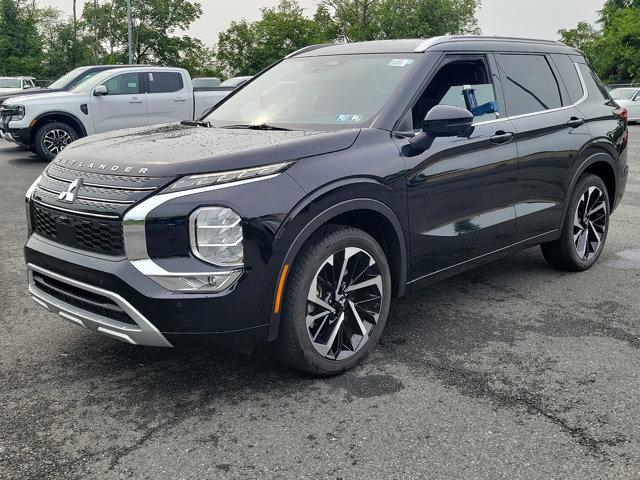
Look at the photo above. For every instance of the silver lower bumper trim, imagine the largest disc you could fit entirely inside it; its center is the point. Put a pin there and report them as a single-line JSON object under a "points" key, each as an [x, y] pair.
{"points": [[7, 136], [142, 333]]}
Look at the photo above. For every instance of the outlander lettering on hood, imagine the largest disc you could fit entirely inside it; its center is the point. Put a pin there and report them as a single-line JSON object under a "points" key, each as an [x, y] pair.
{"points": [[100, 166]]}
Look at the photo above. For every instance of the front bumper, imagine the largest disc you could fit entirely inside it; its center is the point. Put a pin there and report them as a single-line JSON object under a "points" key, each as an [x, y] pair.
{"points": [[19, 136], [160, 317]]}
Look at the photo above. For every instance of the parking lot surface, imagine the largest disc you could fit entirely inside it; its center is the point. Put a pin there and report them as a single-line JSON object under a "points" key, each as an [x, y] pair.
{"points": [[511, 371]]}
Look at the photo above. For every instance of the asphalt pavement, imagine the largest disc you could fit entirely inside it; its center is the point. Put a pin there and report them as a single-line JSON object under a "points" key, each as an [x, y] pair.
{"points": [[511, 371]]}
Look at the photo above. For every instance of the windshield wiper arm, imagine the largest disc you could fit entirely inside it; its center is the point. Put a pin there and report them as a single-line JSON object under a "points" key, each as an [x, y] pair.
{"points": [[190, 123], [261, 126]]}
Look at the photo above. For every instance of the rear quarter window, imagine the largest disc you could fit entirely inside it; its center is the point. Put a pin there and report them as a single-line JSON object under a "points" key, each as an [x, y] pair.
{"points": [[569, 73], [594, 85]]}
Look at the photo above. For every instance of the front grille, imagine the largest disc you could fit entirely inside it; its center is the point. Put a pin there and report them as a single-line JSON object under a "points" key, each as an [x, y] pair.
{"points": [[82, 299], [93, 219], [97, 235]]}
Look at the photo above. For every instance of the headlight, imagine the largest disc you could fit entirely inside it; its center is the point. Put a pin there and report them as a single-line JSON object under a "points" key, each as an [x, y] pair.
{"points": [[15, 112], [216, 236], [27, 199], [196, 181]]}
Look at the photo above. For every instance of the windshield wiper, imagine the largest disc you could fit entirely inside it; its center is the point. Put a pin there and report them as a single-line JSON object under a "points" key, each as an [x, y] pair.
{"points": [[190, 123], [261, 126]]}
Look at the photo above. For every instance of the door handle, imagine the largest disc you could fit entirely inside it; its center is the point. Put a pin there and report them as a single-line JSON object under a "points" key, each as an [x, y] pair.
{"points": [[576, 122], [502, 137], [135, 100], [179, 99]]}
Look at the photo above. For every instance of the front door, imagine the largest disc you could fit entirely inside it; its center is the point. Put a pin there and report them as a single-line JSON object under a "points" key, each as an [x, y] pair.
{"points": [[124, 106], [460, 190]]}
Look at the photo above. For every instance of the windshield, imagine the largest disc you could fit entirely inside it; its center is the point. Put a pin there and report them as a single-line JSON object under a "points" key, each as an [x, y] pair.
{"points": [[623, 93], [328, 92], [62, 81], [10, 83], [234, 82]]}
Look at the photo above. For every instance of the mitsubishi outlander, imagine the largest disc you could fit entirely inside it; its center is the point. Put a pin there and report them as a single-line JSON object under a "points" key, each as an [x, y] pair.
{"points": [[339, 178]]}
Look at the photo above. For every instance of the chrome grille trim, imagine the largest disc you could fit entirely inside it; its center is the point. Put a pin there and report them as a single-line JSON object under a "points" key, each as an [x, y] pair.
{"points": [[91, 199], [99, 185], [76, 212]]}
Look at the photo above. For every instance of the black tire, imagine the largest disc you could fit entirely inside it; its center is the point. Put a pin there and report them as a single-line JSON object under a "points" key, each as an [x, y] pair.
{"points": [[564, 252], [294, 344], [41, 141]]}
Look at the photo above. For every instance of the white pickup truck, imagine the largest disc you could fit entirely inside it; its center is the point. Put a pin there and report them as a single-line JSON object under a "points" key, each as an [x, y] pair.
{"points": [[110, 100]]}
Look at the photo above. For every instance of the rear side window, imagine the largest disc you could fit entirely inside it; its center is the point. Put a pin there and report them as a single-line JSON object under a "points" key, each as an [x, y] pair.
{"points": [[569, 73], [165, 82], [529, 84], [594, 86]]}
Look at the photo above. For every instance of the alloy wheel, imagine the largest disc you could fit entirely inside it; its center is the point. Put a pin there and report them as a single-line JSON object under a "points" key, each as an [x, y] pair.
{"points": [[344, 303], [590, 223], [56, 140]]}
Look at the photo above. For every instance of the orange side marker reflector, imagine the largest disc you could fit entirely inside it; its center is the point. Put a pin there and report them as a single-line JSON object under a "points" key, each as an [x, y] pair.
{"points": [[283, 276]]}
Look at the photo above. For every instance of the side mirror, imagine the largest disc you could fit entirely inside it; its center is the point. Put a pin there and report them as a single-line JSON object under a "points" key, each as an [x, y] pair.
{"points": [[100, 91], [444, 121]]}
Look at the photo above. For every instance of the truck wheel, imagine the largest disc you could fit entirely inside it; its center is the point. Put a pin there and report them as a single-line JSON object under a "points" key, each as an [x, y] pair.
{"points": [[585, 227], [335, 303], [53, 137]]}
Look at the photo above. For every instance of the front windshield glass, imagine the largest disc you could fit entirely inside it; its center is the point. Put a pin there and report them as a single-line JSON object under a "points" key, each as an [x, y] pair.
{"points": [[10, 83], [623, 93], [62, 81], [325, 92]]}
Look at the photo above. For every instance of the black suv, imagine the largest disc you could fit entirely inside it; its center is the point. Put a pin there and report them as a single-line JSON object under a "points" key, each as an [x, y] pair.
{"points": [[338, 178]]}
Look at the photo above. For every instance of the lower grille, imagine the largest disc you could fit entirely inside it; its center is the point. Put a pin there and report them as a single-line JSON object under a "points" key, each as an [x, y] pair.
{"points": [[83, 299], [97, 235]]}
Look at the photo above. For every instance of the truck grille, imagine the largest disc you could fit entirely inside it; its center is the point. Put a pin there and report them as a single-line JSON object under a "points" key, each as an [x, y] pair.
{"points": [[93, 221]]}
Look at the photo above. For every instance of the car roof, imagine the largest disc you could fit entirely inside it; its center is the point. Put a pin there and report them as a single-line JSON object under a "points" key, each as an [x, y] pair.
{"points": [[444, 43]]}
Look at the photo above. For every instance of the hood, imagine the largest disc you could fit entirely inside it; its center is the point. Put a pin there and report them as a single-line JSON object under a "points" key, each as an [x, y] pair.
{"points": [[26, 93], [11, 90], [46, 96], [169, 150]]}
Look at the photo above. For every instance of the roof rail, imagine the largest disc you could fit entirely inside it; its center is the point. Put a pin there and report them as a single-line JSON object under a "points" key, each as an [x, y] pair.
{"points": [[459, 38], [310, 48]]}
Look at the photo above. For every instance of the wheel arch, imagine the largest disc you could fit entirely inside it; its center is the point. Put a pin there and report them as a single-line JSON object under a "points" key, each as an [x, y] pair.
{"points": [[57, 116], [371, 215], [598, 162]]}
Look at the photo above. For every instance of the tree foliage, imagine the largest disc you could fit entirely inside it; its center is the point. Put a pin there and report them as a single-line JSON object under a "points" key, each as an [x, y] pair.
{"points": [[245, 48], [20, 43], [614, 48]]}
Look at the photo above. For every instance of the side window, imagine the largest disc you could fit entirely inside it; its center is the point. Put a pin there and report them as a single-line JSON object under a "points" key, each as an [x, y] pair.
{"points": [[124, 84], [448, 88], [569, 73], [529, 84], [594, 86], [165, 82]]}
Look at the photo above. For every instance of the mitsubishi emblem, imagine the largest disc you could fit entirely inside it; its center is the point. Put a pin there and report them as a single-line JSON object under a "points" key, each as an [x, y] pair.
{"points": [[69, 196]]}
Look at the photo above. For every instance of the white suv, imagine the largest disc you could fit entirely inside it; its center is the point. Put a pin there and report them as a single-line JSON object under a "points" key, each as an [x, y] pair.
{"points": [[110, 100]]}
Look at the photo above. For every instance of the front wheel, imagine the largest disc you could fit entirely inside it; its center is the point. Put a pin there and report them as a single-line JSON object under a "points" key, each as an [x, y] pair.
{"points": [[585, 227], [336, 302], [53, 137]]}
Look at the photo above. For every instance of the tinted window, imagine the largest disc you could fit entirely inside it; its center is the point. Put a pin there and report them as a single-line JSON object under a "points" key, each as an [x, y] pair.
{"points": [[529, 84], [125, 84], [569, 75], [165, 82], [594, 86]]}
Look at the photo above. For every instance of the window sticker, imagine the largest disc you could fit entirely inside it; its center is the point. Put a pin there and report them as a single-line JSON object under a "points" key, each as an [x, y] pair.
{"points": [[400, 62], [347, 118]]}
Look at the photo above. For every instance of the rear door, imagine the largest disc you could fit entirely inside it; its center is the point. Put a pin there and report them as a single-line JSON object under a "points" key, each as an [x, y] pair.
{"points": [[550, 131], [169, 98], [123, 107]]}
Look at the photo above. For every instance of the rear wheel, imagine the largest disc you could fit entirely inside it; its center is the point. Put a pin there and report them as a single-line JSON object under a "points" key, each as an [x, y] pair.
{"points": [[53, 137], [585, 227], [336, 302]]}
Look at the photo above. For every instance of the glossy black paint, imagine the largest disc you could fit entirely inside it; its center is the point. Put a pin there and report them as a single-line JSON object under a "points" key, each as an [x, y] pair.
{"points": [[436, 211]]}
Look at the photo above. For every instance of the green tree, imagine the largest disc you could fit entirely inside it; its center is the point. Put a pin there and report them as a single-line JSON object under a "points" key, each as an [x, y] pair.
{"points": [[20, 43]]}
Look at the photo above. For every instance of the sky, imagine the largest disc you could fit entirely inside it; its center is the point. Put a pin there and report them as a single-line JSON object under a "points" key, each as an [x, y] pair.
{"points": [[521, 18]]}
